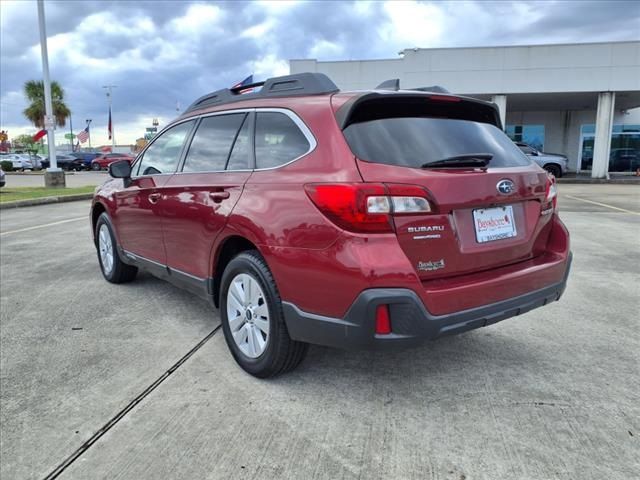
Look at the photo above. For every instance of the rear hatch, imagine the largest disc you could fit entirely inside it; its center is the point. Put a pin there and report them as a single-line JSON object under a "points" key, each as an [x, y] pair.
{"points": [[488, 201]]}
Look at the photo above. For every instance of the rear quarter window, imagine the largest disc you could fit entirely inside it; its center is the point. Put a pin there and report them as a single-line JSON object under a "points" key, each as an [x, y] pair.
{"points": [[278, 140]]}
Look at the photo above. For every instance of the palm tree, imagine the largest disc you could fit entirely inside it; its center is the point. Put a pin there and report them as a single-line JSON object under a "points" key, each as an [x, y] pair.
{"points": [[35, 112]]}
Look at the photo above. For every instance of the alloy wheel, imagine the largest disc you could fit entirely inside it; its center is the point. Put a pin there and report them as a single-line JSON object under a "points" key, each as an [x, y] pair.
{"points": [[248, 315], [105, 245]]}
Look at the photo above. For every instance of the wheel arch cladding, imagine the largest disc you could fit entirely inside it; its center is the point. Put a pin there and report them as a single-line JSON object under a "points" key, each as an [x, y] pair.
{"points": [[229, 248], [97, 210]]}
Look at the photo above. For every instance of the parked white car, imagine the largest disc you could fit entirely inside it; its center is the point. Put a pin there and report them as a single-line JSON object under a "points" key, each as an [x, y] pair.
{"points": [[20, 161]]}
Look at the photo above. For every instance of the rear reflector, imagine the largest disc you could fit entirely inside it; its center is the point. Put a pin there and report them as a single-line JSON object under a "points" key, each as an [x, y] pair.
{"points": [[383, 322]]}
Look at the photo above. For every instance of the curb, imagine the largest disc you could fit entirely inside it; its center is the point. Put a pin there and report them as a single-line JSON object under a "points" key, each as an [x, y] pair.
{"points": [[595, 181], [46, 200], [37, 173]]}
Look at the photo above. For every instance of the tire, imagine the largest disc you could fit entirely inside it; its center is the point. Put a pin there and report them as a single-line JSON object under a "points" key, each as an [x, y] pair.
{"points": [[95, 167], [553, 169], [280, 353], [113, 268]]}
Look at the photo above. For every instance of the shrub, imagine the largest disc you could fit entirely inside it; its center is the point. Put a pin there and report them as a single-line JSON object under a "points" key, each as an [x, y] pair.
{"points": [[6, 165]]}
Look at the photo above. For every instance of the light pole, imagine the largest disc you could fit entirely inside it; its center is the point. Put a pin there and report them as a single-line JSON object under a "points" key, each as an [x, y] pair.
{"points": [[112, 132], [54, 176]]}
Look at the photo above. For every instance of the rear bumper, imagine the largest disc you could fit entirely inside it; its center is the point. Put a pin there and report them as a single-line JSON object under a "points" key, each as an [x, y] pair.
{"points": [[411, 321]]}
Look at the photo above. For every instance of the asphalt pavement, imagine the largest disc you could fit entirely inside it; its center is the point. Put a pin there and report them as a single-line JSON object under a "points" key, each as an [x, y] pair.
{"points": [[135, 381]]}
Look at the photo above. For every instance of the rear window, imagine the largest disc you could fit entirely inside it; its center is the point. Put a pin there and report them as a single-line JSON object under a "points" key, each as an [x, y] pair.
{"points": [[414, 141]]}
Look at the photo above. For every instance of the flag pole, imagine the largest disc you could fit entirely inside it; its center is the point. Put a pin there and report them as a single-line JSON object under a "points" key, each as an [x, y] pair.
{"points": [[88, 120], [109, 96], [71, 132]]}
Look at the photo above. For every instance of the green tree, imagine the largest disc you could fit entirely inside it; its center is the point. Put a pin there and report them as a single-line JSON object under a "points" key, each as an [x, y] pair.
{"points": [[25, 142], [35, 112]]}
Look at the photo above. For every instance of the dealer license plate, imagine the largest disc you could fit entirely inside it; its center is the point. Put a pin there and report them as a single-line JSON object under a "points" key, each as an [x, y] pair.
{"points": [[494, 223]]}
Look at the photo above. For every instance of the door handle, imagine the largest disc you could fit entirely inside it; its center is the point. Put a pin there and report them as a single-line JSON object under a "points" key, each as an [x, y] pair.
{"points": [[154, 197], [219, 196]]}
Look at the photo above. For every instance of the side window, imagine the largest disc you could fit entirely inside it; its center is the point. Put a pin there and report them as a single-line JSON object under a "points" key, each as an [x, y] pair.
{"points": [[278, 140], [163, 154], [526, 149], [212, 143], [239, 159]]}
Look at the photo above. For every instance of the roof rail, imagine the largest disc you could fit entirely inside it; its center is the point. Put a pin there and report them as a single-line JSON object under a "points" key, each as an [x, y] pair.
{"points": [[394, 85], [286, 86]]}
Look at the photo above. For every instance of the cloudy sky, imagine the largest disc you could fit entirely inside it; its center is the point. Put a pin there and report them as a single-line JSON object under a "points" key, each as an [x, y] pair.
{"points": [[164, 53]]}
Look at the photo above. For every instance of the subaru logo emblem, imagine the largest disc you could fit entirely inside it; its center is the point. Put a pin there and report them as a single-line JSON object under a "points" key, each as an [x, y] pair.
{"points": [[506, 187]]}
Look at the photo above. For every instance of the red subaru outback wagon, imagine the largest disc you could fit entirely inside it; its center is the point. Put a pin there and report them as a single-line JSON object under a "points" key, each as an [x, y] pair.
{"points": [[309, 215]]}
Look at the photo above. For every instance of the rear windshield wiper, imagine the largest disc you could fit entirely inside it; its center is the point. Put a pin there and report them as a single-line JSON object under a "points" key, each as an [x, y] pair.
{"points": [[474, 160]]}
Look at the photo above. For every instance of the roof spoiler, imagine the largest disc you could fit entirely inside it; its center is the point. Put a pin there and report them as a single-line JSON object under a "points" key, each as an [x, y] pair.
{"points": [[394, 85], [286, 86]]}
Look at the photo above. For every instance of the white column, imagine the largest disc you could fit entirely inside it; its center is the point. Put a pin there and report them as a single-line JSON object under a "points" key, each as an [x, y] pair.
{"points": [[602, 142], [49, 120], [501, 102]]}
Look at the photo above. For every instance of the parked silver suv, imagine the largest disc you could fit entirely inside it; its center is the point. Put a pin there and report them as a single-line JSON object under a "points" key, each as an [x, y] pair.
{"points": [[553, 163]]}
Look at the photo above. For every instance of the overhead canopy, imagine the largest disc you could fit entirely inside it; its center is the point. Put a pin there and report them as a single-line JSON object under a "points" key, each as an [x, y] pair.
{"points": [[524, 102]]}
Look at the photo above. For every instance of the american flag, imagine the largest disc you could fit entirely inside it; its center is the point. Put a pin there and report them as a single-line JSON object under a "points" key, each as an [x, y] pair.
{"points": [[83, 135], [246, 81]]}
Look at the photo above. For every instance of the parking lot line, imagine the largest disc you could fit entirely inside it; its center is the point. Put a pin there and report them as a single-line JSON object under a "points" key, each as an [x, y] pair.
{"points": [[602, 204], [35, 227], [120, 415]]}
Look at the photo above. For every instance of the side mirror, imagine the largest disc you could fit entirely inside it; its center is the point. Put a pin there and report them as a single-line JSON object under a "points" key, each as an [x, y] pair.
{"points": [[121, 169]]}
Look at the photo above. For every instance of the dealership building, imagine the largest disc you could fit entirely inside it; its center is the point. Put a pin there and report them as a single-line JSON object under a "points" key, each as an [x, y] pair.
{"points": [[580, 100]]}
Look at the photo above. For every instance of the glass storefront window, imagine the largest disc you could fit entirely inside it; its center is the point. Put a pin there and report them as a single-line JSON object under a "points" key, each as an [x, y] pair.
{"points": [[624, 155], [529, 134]]}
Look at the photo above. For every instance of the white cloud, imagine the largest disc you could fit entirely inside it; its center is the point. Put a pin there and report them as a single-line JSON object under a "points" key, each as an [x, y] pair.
{"points": [[269, 66], [198, 17], [412, 24]]}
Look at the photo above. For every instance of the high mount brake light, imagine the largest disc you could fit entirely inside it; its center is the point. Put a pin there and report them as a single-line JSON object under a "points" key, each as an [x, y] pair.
{"points": [[443, 98], [367, 207]]}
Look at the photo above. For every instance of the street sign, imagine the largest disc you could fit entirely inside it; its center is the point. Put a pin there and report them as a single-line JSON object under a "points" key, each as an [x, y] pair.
{"points": [[49, 122], [69, 136], [152, 129]]}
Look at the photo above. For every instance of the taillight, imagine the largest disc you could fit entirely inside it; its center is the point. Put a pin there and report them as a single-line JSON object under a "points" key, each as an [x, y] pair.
{"points": [[551, 196], [367, 207]]}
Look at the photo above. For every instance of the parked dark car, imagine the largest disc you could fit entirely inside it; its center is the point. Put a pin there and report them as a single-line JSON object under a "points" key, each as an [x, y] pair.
{"points": [[624, 160], [366, 219], [86, 158], [65, 162], [102, 162], [620, 160]]}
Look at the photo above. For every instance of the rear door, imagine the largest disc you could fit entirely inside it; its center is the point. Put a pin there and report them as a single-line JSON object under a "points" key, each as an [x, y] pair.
{"points": [[137, 216], [482, 217], [198, 201]]}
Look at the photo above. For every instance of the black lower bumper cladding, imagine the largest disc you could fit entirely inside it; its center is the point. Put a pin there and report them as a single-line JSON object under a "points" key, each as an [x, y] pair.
{"points": [[412, 323]]}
